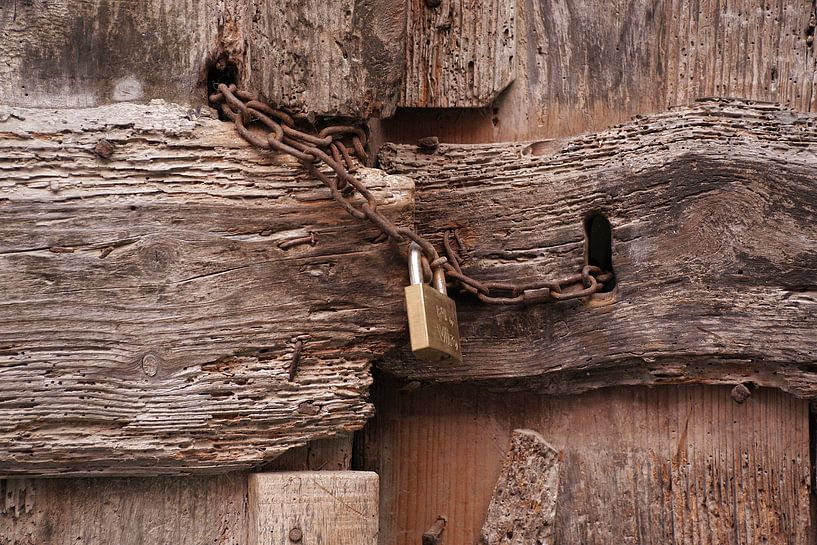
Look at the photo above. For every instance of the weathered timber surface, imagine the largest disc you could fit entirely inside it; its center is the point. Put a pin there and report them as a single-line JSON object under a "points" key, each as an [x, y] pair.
{"points": [[313, 507], [523, 505], [458, 53], [714, 250], [178, 510], [683, 465], [338, 57], [342, 57], [333, 454], [149, 317], [583, 65]]}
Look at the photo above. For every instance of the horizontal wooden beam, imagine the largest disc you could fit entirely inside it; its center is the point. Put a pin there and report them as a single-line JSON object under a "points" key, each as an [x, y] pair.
{"points": [[713, 244], [159, 277]]}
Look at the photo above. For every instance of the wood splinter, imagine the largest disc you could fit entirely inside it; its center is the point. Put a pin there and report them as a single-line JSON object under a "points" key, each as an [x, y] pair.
{"points": [[523, 506]]}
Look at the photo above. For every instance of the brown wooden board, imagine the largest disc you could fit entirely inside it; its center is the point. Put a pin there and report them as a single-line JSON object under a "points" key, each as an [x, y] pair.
{"points": [[150, 313], [177, 510], [583, 65], [338, 57], [682, 465], [458, 53], [313, 508], [713, 245]]}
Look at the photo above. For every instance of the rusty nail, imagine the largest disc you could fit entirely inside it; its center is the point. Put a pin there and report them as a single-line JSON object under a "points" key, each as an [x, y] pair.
{"points": [[741, 393], [104, 148], [433, 536], [296, 535], [287, 244], [308, 408], [413, 385], [296, 359], [429, 144]]}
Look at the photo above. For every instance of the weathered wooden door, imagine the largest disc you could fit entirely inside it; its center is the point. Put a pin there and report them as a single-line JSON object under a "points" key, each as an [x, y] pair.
{"points": [[187, 319]]}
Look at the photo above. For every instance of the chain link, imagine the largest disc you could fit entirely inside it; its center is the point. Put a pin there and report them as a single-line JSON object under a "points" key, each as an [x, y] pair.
{"points": [[335, 146]]}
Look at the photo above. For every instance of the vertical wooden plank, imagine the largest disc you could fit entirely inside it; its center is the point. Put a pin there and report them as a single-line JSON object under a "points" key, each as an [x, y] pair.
{"points": [[672, 464], [316, 508], [583, 65], [338, 57], [458, 53], [177, 510]]}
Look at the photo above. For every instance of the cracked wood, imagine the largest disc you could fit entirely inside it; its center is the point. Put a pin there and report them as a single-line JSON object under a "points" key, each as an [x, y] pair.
{"points": [[341, 57], [151, 303], [714, 249]]}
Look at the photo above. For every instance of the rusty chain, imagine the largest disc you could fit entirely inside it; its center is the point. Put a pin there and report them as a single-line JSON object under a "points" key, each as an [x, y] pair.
{"points": [[335, 146]]}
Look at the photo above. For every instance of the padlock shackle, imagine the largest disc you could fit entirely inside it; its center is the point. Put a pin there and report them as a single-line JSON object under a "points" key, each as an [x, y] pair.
{"points": [[416, 269], [415, 263]]}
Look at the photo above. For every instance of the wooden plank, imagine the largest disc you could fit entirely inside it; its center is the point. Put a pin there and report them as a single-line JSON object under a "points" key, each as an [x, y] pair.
{"points": [[149, 316], [342, 57], [458, 53], [523, 505], [712, 244], [316, 508], [179, 510], [332, 454], [672, 464], [77, 53], [583, 65], [338, 57]]}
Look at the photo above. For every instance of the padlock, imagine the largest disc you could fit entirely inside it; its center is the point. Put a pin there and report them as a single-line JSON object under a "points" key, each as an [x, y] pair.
{"points": [[432, 315]]}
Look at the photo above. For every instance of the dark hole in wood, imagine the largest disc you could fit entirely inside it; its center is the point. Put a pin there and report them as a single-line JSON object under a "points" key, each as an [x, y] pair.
{"points": [[220, 71], [600, 246]]}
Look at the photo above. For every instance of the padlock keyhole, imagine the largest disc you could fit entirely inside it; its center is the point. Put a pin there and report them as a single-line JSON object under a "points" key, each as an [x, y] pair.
{"points": [[599, 247]]}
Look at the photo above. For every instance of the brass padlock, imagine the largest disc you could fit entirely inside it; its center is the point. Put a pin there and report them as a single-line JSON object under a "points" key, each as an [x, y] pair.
{"points": [[432, 315]]}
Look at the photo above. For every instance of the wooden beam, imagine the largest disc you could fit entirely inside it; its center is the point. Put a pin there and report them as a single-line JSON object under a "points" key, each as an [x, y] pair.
{"points": [[179, 510], [458, 54], [313, 507], [681, 464], [342, 57], [584, 65], [713, 246], [153, 297], [336, 58]]}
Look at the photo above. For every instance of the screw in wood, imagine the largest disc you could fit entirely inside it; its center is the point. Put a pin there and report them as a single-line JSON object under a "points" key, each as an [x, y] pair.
{"points": [[433, 536], [296, 535], [104, 148], [741, 393]]}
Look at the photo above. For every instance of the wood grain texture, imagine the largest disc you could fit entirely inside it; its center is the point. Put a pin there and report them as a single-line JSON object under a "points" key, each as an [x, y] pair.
{"points": [[322, 507], [523, 506], [77, 53], [149, 316], [458, 53], [672, 464], [341, 57], [583, 65], [177, 510], [713, 248], [333, 454]]}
